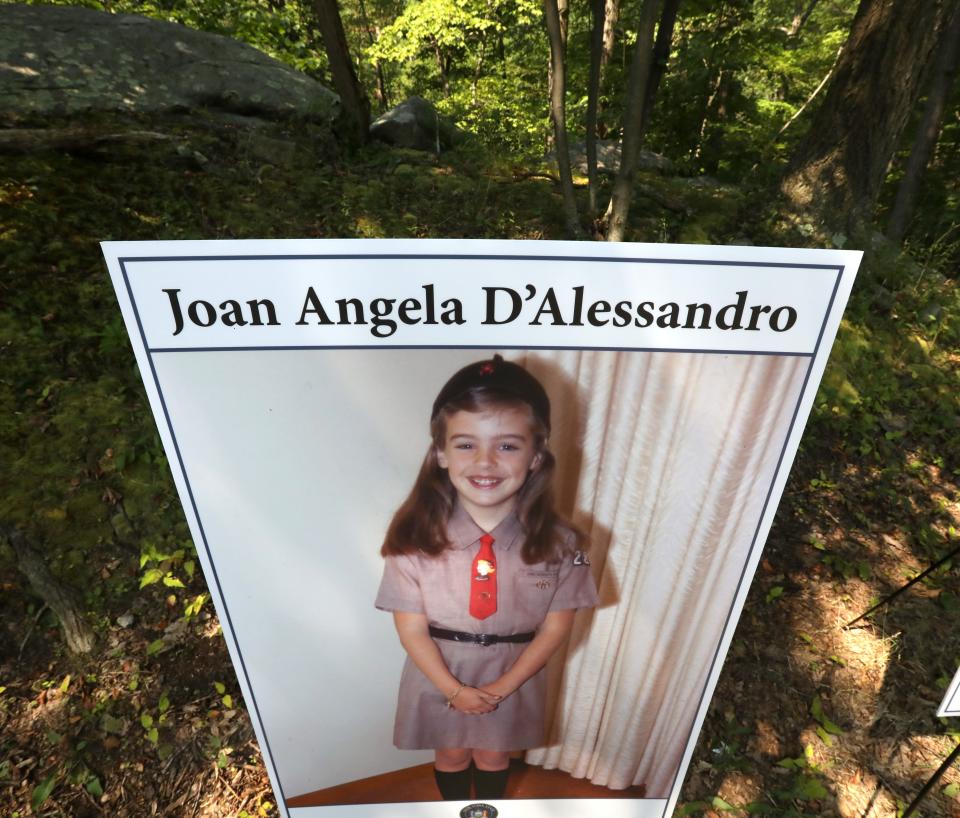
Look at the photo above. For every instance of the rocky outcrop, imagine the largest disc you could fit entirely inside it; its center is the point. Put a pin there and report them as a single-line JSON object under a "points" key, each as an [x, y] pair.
{"points": [[62, 61], [608, 158], [415, 124]]}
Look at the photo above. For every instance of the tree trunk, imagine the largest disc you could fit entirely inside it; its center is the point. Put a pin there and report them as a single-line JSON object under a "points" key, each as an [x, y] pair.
{"points": [[633, 120], [799, 19], [354, 103], [61, 599], [383, 99], [563, 11], [714, 78], [610, 17], [661, 56], [928, 131], [714, 72], [836, 172], [477, 71], [593, 104], [441, 68], [710, 138], [558, 115]]}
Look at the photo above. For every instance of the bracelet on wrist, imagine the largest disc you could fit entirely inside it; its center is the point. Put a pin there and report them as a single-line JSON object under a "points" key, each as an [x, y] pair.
{"points": [[455, 693]]}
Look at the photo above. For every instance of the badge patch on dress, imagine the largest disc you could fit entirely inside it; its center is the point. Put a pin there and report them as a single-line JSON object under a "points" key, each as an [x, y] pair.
{"points": [[580, 558], [543, 584]]}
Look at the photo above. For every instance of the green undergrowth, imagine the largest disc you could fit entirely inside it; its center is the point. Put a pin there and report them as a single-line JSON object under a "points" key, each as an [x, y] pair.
{"points": [[888, 409]]}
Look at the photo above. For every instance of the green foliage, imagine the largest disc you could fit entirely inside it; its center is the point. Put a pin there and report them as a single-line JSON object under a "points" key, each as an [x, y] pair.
{"points": [[825, 727], [890, 391], [774, 593], [805, 784], [445, 27], [43, 791], [85, 474], [482, 63], [736, 77], [934, 235], [736, 72]]}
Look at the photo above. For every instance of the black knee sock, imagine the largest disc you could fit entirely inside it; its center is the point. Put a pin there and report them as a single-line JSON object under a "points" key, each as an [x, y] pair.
{"points": [[490, 783], [453, 786]]}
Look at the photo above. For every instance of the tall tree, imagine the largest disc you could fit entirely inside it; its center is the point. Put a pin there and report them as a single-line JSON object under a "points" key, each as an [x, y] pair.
{"points": [[354, 102], [563, 15], [925, 139], [383, 98], [661, 56], [558, 91], [593, 103], [563, 11], [836, 171], [610, 17], [633, 120]]}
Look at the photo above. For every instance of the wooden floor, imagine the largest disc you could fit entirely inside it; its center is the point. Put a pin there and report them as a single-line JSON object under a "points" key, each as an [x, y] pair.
{"points": [[417, 784]]}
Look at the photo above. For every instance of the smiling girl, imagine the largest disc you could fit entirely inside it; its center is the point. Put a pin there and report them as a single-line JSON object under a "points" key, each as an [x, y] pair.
{"points": [[483, 579]]}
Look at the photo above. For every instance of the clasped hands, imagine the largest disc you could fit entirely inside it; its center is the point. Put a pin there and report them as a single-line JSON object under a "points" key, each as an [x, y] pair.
{"points": [[475, 701]]}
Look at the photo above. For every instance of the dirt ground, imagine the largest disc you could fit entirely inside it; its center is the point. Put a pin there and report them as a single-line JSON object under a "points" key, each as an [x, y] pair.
{"points": [[874, 740]]}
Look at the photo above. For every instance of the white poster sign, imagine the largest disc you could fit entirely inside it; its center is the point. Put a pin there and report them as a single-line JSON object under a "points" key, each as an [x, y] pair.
{"points": [[950, 706], [293, 384]]}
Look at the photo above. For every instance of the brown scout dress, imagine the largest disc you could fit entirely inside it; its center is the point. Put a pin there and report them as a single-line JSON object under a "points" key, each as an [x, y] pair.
{"points": [[439, 587]]}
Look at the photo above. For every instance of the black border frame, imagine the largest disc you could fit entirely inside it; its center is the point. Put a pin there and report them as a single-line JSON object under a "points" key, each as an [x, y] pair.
{"points": [[150, 352]]}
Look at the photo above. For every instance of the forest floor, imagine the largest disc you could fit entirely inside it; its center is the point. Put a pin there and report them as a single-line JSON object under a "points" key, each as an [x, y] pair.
{"points": [[809, 718]]}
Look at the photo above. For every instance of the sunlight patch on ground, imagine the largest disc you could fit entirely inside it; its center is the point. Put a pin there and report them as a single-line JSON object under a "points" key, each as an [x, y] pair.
{"points": [[766, 741], [739, 788], [860, 794], [867, 656]]}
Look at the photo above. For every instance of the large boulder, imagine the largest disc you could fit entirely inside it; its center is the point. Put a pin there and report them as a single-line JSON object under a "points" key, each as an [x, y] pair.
{"points": [[61, 60], [415, 124]]}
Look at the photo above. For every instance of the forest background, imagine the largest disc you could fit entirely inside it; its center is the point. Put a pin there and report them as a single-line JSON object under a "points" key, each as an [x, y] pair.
{"points": [[777, 122]]}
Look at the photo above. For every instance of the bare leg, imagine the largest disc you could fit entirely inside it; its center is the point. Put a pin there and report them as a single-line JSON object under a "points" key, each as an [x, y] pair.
{"points": [[452, 760], [488, 759]]}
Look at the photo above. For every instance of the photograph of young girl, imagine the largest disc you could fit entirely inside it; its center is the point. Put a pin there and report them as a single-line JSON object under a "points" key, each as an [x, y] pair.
{"points": [[483, 578], [480, 574]]}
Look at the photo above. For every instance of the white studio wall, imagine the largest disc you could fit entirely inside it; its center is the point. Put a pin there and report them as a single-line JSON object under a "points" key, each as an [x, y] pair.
{"points": [[295, 514]]}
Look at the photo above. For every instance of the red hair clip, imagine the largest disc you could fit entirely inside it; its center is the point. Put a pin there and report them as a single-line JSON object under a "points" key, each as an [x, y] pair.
{"points": [[486, 368]]}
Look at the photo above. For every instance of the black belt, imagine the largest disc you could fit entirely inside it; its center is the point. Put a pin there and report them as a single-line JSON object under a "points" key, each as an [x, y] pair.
{"points": [[483, 639]]}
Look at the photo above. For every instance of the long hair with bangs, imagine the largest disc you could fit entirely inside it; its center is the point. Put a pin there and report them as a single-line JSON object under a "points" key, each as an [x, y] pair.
{"points": [[420, 524]]}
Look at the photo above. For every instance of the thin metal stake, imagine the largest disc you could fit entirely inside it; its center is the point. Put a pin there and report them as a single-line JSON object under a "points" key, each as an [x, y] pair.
{"points": [[903, 588], [933, 780]]}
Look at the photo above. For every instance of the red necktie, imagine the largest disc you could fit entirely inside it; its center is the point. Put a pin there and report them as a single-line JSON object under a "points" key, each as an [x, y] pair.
{"points": [[483, 580]]}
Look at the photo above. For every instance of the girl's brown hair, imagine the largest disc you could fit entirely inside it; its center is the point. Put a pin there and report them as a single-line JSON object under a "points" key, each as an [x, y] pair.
{"points": [[420, 524]]}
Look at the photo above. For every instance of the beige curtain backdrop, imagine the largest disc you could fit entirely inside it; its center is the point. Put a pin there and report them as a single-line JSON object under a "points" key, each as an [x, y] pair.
{"points": [[665, 461]]}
